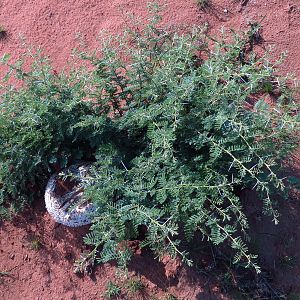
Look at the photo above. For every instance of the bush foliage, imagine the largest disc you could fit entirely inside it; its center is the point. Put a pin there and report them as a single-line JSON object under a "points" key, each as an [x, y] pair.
{"points": [[176, 125]]}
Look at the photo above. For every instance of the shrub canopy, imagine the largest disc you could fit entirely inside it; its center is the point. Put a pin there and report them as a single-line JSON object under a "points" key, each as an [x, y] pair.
{"points": [[176, 128]]}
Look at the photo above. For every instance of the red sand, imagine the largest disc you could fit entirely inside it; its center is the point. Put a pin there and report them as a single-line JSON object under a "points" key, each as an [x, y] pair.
{"points": [[47, 273], [54, 24]]}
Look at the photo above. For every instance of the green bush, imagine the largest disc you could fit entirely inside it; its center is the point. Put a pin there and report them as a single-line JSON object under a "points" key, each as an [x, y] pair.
{"points": [[38, 128], [170, 125]]}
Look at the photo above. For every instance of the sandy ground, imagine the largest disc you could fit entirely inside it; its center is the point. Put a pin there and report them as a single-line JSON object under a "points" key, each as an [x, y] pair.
{"points": [[58, 27]]}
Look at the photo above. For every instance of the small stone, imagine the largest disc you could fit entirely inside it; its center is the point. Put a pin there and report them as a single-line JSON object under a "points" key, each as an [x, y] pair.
{"points": [[12, 256], [225, 11]]}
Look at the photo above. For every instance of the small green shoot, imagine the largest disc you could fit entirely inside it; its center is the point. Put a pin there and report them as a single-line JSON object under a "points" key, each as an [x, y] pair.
{"points": [[112, 290], [134, 285], [171, 297], [203, 3], [35, 244]]}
